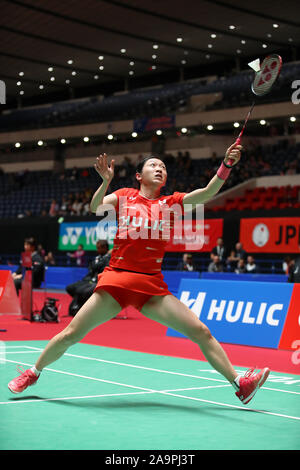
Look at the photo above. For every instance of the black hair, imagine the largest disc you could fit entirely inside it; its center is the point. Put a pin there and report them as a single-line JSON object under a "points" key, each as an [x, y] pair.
{"points": [[139, 167], [31, 241]]}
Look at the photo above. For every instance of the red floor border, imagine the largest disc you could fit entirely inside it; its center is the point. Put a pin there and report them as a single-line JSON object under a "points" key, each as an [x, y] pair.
{"points": [[138, 333]]}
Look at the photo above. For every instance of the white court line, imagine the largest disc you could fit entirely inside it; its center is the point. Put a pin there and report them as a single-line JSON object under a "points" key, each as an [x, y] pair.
{"points": [[20, 352], [165, 393], [160, 370], [35, 400]]}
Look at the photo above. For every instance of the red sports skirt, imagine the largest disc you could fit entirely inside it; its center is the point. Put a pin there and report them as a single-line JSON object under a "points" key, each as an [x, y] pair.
{"points": [[130, 288]]}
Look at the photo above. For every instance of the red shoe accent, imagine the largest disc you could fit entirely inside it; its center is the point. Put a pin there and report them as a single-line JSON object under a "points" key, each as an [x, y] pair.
{"points": [[250, 383], [20, 383]]}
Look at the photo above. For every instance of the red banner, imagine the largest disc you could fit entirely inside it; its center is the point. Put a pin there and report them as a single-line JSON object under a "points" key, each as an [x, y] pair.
{"points": [[9, 302], [290, 337], [201, 236], [270, 235]]}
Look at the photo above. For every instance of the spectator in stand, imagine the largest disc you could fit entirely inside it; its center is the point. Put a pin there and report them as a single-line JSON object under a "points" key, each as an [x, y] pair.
{"points": [[220, 251], [53, 208], [216, 265], [49, 259], [294, 271], [79, 255], [41, 250], [63, 206], [240, 252], [286, 264], [231, 261], [77, 206], [187, 263], [85, 207], [236, 255], [241, 267], [251, 267]]}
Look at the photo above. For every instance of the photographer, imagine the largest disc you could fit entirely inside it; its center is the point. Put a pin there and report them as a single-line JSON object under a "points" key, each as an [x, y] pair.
{"points": [[83, 289]]}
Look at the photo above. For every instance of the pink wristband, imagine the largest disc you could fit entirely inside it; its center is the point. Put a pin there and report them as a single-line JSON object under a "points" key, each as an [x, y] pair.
{"points": [[223, 172]]}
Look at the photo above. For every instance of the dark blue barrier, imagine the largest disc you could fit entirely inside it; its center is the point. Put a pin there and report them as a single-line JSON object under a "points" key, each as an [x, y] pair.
{"points": [[59, 277], [245, 277], [56, 277], [5, 267], [173, 278]]}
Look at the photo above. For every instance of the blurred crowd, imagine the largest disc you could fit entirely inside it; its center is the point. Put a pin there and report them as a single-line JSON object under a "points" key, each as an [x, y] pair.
{"points": [[184, 174]]}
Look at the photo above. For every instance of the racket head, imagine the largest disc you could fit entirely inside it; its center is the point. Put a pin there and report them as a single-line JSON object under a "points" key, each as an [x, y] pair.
{"points": [[268, 74]]}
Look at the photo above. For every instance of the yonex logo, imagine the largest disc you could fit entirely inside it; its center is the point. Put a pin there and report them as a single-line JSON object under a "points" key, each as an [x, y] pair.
{"points": [[2, 92], [72, 235]]}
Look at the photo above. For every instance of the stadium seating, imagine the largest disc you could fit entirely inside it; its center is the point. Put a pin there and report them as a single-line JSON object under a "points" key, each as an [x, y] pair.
{"points": [[35, 190], [155, 102]]}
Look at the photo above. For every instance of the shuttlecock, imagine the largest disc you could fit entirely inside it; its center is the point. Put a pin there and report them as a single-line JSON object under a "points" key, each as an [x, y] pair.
{"points": [[255, 65]]}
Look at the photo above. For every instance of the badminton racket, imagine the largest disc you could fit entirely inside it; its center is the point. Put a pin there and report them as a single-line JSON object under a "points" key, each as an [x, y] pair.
{"points": [[266, 74]]}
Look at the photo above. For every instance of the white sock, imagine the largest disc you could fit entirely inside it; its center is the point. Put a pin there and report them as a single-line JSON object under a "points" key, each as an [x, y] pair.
{"points": [[236, 383], [35, 371]]}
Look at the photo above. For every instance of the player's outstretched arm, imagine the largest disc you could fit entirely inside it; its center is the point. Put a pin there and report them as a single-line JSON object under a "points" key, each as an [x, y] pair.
{"points": [[107, 173], [202, 195]]}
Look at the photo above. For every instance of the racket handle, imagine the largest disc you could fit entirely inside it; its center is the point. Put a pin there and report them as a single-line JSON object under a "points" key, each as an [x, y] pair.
{"points": [[237, 142]]}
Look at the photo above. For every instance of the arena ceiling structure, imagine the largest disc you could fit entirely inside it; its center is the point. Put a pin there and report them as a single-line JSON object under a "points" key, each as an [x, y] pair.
{"points": [[55, 50]]}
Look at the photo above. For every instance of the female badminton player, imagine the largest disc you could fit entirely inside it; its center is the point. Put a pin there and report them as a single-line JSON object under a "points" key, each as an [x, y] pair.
{"points": [[134, 276]]}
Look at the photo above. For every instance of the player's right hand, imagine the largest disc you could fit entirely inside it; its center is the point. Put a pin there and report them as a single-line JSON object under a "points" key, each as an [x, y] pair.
{"points": [[103, 169]]}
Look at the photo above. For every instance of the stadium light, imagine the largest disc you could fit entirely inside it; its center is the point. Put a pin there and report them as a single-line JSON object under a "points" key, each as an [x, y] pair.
{"points": [[236, 124], [262, 122], [134, 134], [209, 127], [292, 119], [158, 132], [40, 143], [110, 137], [184, 130], [86, 139], [17, 144]]}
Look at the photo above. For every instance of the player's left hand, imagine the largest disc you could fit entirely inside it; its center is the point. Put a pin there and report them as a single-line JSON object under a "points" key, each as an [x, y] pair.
{"points": [[233, 155]]}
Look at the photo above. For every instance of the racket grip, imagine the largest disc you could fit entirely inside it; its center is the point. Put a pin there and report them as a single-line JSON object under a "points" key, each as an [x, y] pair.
{"points": [[237, 142]]}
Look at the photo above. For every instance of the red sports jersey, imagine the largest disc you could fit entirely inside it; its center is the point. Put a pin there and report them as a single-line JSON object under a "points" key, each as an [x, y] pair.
{"points": [[144, 229]]}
